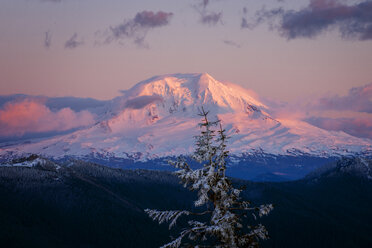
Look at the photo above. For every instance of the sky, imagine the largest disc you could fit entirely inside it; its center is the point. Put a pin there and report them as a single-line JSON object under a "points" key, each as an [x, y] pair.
{"points": [[285, 50]]}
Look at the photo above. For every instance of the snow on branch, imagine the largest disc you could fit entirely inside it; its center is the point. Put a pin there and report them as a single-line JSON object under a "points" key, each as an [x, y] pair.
{"points": [[166, 216], [216, 193]]}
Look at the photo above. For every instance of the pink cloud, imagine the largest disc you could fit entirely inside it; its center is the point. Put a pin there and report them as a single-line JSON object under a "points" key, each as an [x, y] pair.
{"points": [[351, 113], [358, 99], [31, 116], [358, 127]]}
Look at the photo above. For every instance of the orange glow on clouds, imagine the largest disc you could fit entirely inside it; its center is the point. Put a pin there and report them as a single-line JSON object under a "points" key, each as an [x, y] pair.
{"points": [[30, 116]]}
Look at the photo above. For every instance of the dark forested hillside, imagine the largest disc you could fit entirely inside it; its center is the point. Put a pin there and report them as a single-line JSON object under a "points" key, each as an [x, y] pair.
{"points": [[84, 206], [88, 205]]}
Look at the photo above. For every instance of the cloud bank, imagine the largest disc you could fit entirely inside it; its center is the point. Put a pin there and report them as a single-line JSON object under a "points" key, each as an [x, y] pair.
{"points": [[358, 99], [30, 116], [352, 21], [351, 113], [137, 28], [359, 127]]}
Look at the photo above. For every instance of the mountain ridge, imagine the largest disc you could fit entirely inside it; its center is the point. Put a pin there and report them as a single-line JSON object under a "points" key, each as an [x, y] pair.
{"points": [[158, 118]]}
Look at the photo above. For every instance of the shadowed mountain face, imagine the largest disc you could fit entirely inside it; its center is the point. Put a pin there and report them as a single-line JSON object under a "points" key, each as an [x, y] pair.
{"points": [[88, 205]]}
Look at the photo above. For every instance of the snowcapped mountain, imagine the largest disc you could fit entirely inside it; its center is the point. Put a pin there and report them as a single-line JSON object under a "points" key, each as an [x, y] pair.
{"points": [[158, 118]]}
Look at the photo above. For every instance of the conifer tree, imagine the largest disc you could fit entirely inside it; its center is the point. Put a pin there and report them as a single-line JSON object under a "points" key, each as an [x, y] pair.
{"points": [[223, 207]]}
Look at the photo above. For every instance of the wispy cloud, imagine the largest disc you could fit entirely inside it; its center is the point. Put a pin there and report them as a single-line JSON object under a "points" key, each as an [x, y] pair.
{"points": [[211, 18], [31, 116], [205, 3], [244, 22], [231, 43], [261, 16], [352, 21], [73, 42], [47, 39], [208, 17], [136, 29]]}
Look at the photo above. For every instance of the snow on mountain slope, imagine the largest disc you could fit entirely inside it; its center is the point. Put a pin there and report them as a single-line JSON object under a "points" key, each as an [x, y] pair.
{"points": [[158, 118]]}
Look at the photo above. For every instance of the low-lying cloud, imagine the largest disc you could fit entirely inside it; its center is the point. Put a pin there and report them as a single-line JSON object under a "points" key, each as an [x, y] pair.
{"points": [[352, 21], [351, 113], [358, 99], [142, 101], [31, 116], [137, 28], [359, 127], [357, 102]]}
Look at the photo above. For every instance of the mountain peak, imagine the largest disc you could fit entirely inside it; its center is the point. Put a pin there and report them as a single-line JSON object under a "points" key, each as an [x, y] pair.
{"points": [[206, 82], [205, 78], [196, 89]]}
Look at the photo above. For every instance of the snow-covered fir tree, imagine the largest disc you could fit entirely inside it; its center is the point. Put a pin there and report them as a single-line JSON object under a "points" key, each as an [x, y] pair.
{"points": [[223, 209]]}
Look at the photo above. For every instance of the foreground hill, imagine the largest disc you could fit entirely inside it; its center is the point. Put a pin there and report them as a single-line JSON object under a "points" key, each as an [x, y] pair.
{"points": [[87, 205]]}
